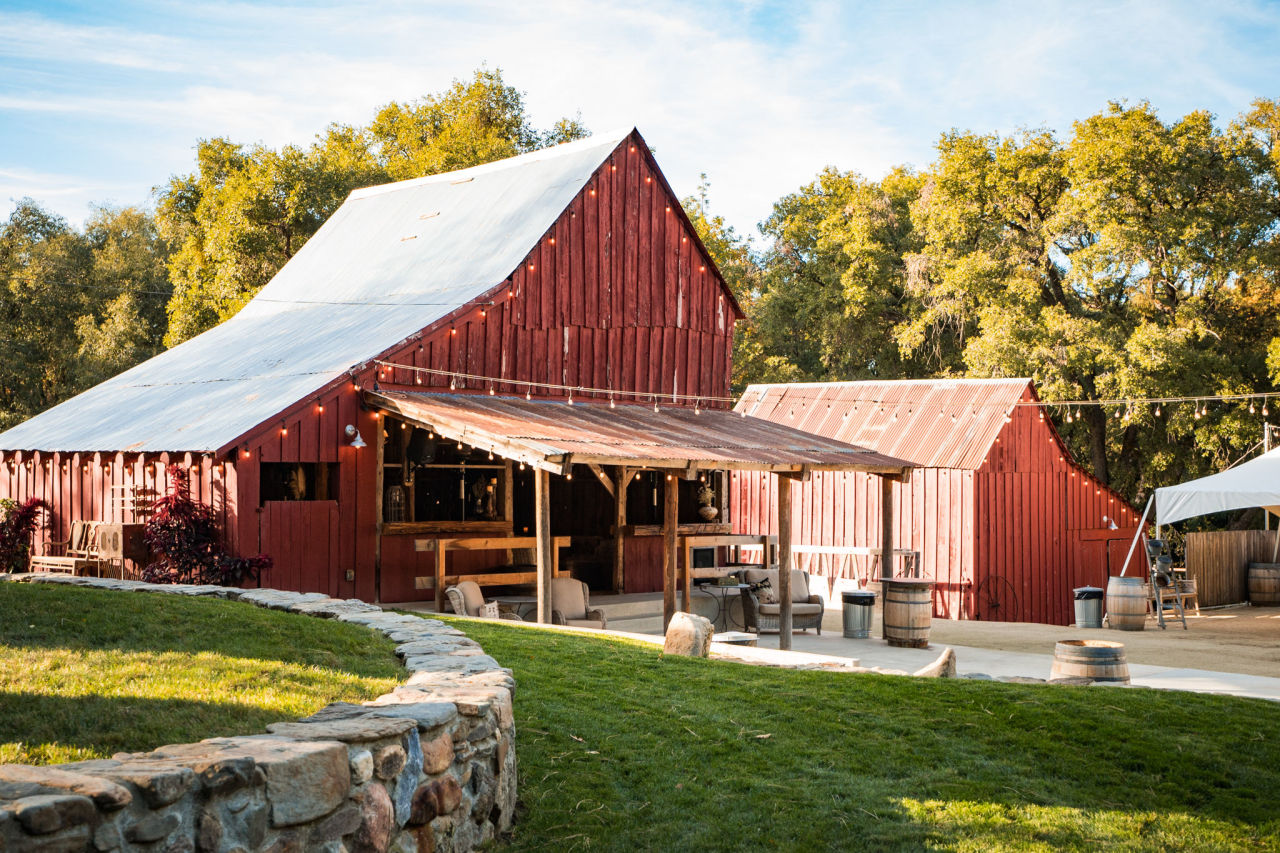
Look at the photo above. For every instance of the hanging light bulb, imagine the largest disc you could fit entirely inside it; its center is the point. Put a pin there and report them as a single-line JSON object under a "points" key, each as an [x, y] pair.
{"points": [[570, 398], [1157, 410], [655, 404], [612, 405], [1197, 411], [1264, 408], [491, 391], [453, 383], [1251, 409]]}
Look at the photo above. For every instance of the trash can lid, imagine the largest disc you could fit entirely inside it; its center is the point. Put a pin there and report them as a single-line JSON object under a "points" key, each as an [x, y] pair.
{"points": [[858, 596], [1088, 593]]}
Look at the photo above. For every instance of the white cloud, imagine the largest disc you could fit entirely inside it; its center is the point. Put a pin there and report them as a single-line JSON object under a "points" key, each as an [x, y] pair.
{"points": [[758, 95]]}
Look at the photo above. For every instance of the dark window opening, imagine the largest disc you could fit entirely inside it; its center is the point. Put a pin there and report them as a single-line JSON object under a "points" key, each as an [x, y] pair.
{"points": [[429, 478], [298, 481]]}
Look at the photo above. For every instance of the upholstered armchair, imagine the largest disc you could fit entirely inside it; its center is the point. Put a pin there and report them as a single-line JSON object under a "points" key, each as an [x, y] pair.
{"points": [[571, 605], [761, 617], [467, 600]]}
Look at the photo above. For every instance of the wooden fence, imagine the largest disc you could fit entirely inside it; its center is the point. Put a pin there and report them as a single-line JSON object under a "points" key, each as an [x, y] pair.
{"points": [[1219, 562]]}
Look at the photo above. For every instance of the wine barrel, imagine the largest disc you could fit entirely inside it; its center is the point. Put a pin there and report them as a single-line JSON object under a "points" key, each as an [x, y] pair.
{"points": [[1096, 660], [1264, 584], [908, 611], [1127, 603]]}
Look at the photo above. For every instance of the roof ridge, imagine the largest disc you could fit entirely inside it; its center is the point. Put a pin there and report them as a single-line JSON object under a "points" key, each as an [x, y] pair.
{"points": [[610, 138]]}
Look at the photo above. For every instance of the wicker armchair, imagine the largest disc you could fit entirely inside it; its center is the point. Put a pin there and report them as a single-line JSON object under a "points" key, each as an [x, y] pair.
{"points": [[571, 605], [806, 609], [467, 600]]}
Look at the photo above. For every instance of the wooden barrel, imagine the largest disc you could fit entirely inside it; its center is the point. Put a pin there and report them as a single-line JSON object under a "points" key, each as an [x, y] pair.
{"points": [[908, 611], [1127, 603], [1096, 660], [1264, 584]]}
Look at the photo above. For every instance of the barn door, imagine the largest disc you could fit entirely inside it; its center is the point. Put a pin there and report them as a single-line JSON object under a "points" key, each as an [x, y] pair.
{"points": [[301, 537], [1100, 554]]}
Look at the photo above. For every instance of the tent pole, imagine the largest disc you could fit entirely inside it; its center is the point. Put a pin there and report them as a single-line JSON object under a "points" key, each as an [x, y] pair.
{"points": [[1137, 535]]}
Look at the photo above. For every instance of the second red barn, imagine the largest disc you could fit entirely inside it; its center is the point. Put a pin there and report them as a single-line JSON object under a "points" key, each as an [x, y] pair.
{"points": [[998, 511]]}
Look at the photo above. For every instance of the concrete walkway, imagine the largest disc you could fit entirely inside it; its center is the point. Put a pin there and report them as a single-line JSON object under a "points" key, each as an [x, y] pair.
{"points": [[831, 650]]}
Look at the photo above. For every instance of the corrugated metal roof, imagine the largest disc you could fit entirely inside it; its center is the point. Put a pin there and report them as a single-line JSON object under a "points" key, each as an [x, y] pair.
{"points": [[418, 249], [545, 431], [936, 423]]}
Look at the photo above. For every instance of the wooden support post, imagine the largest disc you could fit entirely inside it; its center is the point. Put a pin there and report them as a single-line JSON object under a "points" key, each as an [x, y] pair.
{"points": [[784, 562], [546, 546], [441, 550], [621, 478], [670, 518], [886, 527]]}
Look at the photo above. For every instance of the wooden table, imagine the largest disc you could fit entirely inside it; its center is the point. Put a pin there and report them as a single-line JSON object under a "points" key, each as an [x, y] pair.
{"points": [[441, 547]]}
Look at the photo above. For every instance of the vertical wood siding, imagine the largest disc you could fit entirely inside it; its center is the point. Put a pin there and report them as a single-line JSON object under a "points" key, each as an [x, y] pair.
{"points": [[1007, 541]]}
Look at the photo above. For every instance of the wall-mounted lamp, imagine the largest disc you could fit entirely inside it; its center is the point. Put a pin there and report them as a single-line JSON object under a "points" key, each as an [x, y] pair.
{"points": [[353, 437]]}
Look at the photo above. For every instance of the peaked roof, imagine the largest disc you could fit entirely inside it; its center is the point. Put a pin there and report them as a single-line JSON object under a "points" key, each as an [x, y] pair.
{"points": [[390, 261], [935, 423]]}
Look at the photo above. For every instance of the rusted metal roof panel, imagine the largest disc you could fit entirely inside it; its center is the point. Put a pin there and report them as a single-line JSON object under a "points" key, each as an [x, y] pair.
{"points": [[630, 434], [389, 262], [934, 423]]}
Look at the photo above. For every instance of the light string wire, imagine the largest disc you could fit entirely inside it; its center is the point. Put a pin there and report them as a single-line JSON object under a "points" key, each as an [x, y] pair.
{"points": [[790, 396]]}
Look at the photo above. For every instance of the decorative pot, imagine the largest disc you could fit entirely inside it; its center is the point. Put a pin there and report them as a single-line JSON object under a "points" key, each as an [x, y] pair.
{"points": [[708, 512]]}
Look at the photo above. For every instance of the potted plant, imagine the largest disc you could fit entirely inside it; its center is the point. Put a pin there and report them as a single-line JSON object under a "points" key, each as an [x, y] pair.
{"points": [[707, 497]]}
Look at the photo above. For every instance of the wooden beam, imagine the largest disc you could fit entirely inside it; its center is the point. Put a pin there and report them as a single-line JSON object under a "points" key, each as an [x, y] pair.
{"points": [[623, 479], [441, 550], [670, 518], [886, 527], [784, 562], [378, 489], [602, 477], [546, 548], [690, 471]]}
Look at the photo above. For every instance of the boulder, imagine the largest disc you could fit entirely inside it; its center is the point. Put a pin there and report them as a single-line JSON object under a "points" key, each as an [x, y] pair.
{"points": [[688, 635], [943, 667]]}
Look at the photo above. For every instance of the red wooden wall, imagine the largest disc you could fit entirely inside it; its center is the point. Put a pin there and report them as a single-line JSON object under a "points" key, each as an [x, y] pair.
{"points": [[617, 294], [1007, 542]]}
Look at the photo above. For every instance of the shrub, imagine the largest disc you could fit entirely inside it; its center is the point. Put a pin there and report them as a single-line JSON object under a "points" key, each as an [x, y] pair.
{"points": [[183, 534], [16, 527]]}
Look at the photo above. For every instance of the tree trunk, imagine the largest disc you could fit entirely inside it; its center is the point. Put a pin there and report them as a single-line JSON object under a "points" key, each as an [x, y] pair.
{"points": [[1096, 419]]}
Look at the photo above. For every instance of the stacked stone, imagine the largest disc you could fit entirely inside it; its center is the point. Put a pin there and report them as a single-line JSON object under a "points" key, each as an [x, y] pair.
{"points": [[430, 766]]}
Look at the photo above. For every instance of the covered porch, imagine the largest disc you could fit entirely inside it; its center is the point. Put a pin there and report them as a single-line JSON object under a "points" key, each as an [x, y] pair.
{"points": [[615, 443]]}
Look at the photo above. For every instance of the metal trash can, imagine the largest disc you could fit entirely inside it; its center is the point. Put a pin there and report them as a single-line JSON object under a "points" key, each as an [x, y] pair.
{"points": [[1088, 607], [858, 604]]}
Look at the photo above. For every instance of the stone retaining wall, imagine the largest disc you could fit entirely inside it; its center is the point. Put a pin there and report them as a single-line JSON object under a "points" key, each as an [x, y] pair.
{"points": [[429, 766]]}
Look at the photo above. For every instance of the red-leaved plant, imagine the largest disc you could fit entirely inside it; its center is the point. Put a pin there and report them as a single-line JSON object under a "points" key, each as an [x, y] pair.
{"points": [[183, 534], [16, 527]]}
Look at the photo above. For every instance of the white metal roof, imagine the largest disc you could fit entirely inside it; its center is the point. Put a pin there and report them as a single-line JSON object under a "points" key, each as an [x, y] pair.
{"points": [[392, 260]]}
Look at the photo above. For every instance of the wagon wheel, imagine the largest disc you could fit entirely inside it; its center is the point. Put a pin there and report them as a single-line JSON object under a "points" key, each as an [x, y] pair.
{"points": [[996, 600]]}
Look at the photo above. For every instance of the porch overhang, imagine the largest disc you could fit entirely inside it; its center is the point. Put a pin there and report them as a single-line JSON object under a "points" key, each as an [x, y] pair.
{"points": [[551, 435]]}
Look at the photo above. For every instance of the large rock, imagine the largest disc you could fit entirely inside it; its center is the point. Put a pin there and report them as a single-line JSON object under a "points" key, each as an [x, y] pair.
{"points": [[688, 635], [377, 817], [20, 780], [943, 667]]}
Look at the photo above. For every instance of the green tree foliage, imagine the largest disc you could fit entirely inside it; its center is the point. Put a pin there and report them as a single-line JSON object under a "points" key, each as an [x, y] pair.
{"points": [[76, 306], [246, 210], [1137, 258]]}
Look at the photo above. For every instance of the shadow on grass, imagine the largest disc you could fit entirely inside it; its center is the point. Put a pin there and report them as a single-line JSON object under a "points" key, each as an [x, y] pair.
{"points": [[621, 748], [36, 728], [56, 617]]}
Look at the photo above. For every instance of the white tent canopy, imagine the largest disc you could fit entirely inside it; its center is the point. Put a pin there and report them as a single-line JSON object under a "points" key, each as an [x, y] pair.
{"points": [[1255, 483]]}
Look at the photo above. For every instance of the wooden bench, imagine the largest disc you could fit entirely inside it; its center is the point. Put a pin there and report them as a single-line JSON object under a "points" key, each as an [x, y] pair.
{"points": [[441, 547], [75, 555]]}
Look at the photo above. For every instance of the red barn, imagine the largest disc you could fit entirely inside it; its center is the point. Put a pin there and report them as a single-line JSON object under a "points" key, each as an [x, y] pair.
{"points": [[997, 509], [388, 388]]}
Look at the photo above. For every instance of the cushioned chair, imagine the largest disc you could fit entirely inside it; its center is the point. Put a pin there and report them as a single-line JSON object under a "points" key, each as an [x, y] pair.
{"points": [[467, 600], [806, 609], [571, 605]]}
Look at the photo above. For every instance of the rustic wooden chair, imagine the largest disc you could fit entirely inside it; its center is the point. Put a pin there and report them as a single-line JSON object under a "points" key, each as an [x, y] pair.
{"points": [[1165, 591], [76, 555]]}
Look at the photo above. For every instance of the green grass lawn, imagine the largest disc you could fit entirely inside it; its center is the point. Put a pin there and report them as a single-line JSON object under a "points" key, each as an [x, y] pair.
{"points": [[87, 673], [622, 749]]}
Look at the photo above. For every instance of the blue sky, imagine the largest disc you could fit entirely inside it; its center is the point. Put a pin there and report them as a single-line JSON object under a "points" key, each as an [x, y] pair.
{"points": [[101, 102]]}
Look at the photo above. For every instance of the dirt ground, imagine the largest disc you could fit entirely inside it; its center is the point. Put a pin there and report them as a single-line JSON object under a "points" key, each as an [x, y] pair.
{"points": [[1240, 639]]}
